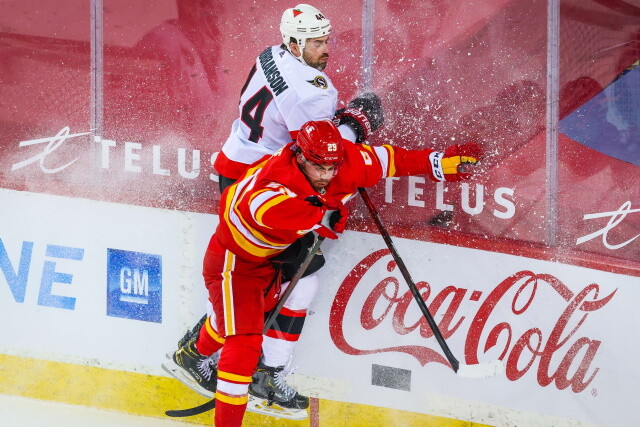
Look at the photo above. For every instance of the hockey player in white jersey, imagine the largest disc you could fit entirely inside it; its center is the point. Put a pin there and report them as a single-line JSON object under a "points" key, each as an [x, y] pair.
{"points": [[286, 88]]}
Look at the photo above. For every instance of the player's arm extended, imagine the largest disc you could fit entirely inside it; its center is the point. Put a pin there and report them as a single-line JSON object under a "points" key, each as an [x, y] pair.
{"points": [[438, 166], [367, 164]]}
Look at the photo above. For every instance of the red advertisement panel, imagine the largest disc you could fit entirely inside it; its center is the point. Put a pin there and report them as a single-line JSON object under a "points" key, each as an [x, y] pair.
{"points": [[128, 103]]}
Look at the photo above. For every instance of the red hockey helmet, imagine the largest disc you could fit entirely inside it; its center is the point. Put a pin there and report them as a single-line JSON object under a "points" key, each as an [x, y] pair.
{"points": [[320, 142]]}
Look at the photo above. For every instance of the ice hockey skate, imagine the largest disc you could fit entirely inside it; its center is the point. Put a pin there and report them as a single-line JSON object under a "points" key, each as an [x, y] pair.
{"points": [[269, 394], [194, 370], [192, 333]]}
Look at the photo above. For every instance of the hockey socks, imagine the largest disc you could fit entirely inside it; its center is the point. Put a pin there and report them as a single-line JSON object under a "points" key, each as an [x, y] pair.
{"points": [[281, 339], [238, 362], [230, 408]]}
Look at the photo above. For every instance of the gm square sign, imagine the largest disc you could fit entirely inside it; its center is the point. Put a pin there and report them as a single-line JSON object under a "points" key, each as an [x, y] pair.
{"points": [[134, 285]]}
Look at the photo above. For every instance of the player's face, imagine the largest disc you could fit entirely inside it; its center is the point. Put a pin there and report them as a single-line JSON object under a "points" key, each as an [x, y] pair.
{"points": [[316, 52], [318, 176]]}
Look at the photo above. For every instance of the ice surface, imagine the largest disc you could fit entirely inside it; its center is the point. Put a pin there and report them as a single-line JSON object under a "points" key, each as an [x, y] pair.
{"points": [[16, 411]]}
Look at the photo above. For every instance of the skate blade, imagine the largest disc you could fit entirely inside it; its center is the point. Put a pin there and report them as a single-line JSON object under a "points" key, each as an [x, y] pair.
{"points": [[260, 406], [178, 373]]}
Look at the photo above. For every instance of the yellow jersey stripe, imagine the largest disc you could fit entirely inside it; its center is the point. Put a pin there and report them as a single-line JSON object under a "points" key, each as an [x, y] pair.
{"points": [[227, 293], [266, 206], [260, 197], [241, 239], [259, 192], [255, 233], [212, 333], [392, 165]]}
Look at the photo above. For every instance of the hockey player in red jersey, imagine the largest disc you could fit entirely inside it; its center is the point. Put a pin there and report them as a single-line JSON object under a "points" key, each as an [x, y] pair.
{"points": [[278, 199], [286, 87]]}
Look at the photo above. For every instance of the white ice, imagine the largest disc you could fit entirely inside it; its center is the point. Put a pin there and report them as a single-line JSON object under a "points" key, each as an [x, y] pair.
{"points": [[16, 411]]}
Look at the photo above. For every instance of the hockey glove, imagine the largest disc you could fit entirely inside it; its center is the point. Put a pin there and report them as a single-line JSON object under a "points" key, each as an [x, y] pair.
{"points": [[446, 166], [334, 219], [364, 114], [338, 215]]}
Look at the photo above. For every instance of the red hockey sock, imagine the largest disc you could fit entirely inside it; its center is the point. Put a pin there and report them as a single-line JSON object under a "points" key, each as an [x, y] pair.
{"points": [[208, 341], [228, 414], [237, 364]]}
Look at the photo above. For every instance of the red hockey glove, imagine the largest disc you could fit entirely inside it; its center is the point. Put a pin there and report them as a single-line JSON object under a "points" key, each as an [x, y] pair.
{"points": [[334, 219], [446, 166], [338, 215]]}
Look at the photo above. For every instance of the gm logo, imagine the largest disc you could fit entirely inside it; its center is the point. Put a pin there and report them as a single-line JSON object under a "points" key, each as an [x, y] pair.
{"points": [[134, 285]]}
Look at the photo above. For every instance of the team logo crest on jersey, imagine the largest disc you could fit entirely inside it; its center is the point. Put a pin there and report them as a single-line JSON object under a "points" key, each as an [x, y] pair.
{"points": [[320, 82]]}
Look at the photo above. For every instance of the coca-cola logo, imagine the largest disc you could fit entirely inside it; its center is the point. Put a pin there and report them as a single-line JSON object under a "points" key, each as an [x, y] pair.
{"points": [[502, 323]]}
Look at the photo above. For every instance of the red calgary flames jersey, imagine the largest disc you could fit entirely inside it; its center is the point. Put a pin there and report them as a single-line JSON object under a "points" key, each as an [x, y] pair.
{"points": [[266, 211]]}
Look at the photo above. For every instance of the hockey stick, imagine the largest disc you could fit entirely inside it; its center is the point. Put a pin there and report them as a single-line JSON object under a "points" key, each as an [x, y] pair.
{"points": [[481, 370], [285, 295], [209, 405]]}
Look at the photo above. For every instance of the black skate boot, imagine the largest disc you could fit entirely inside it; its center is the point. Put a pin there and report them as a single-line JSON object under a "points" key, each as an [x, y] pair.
{"points": [[193, 369], [270, 384], [192, 333]]}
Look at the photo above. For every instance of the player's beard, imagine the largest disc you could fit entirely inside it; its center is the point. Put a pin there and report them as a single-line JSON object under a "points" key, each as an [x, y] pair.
{"points": [[318, 64], [317, 184], [320, 184]]}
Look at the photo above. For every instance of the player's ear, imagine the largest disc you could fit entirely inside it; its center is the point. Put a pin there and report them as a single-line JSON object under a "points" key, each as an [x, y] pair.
{"points": [[294, 48]]}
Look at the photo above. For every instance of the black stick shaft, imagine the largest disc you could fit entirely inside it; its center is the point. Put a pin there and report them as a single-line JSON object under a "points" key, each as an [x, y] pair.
{"points": [[407, 277], [285, 295]]}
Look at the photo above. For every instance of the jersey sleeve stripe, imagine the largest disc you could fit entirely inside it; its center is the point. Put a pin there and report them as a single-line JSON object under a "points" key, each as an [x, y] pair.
{"points": [[258, 198], [241, 235], [251, 232], [385, 155], [262, 196], [261, 210], [254, 235]]}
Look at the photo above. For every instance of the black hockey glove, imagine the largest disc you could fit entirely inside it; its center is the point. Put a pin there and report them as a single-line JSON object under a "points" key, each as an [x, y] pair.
{"points": [[364, 114], [369, 103], [315, 201]]}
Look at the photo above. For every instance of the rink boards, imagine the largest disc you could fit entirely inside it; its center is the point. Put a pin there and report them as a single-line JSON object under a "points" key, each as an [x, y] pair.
{"points": [[93, 294]]}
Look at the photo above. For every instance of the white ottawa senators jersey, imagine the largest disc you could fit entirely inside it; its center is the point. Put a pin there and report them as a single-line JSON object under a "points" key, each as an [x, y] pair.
{"points": [[279, 96]]}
